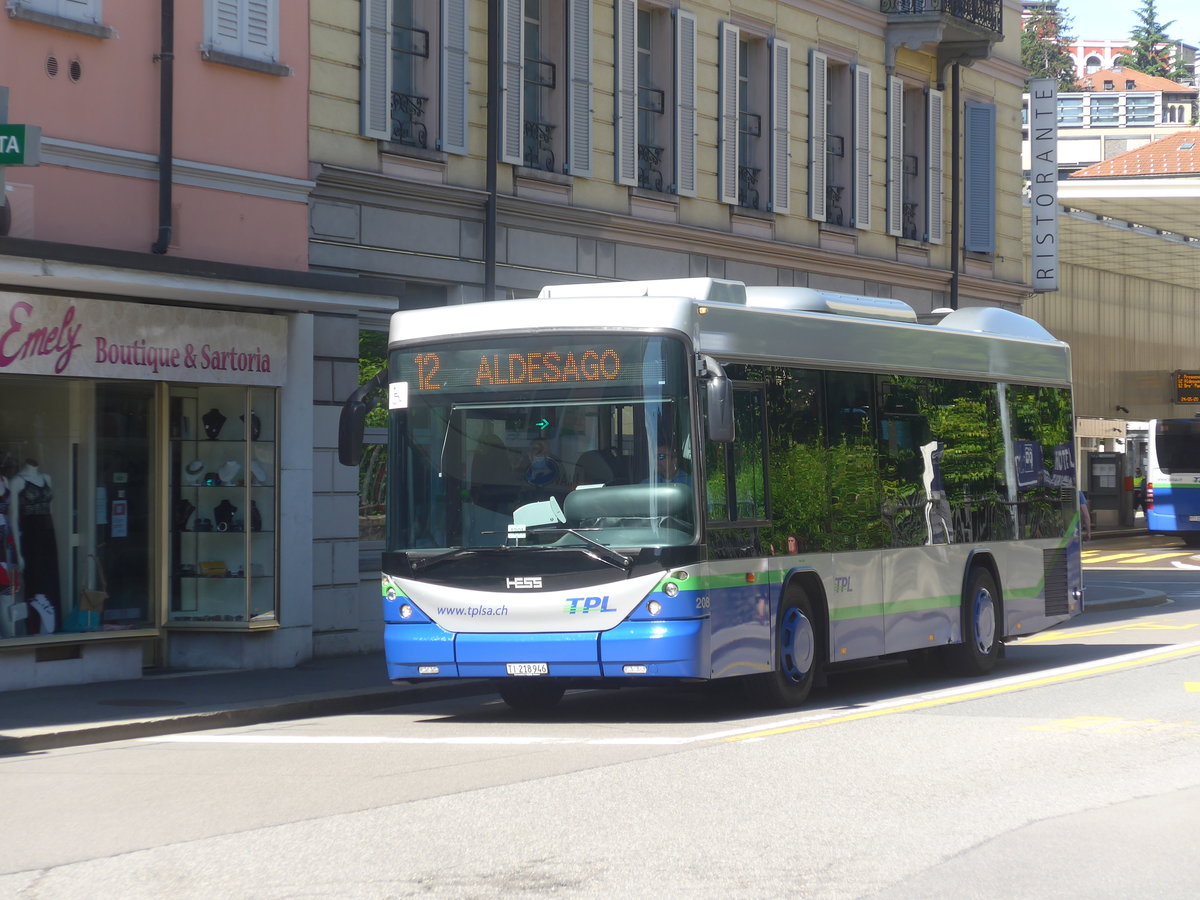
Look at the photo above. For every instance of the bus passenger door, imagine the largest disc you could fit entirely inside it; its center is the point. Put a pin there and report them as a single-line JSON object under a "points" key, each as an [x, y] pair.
{"points": [[744, 597]]}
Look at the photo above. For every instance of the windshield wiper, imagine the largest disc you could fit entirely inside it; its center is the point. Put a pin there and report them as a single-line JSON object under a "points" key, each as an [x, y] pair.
{"points": [[596, 550], [456, 553]]}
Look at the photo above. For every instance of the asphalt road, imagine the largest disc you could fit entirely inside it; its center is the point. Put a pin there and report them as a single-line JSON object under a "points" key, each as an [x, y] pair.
{"points": [[1073, 771]]}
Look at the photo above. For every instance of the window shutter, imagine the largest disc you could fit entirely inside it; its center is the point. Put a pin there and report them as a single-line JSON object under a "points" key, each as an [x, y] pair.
{"points": [[512, 69], [895, 157], [226, 26], [685, 103], [260, 30], [626, 93], [376, 90], [242, 28], [979, 178], [862, 147], [781, 131], [82, 10], [454, 76], [934, 152], [728, 168], [579, 89], [818, 132]]}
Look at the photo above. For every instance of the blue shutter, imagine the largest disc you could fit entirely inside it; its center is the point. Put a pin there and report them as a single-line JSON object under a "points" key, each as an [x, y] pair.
{"points": [[979, 177]]}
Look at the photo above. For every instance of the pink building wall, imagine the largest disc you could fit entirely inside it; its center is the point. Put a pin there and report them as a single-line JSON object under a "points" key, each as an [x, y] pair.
{"points": [[224, 116]]}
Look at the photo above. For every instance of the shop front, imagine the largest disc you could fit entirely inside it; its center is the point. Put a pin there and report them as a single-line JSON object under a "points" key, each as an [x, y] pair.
{"points": [[139, 481]]}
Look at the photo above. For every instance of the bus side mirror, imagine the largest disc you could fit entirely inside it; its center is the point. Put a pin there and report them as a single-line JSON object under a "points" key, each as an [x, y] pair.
{"points": [[354, 415], [720, 402]]}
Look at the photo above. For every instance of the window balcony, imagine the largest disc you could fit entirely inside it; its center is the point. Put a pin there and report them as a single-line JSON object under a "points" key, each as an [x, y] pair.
{"points": [[957, 31]]}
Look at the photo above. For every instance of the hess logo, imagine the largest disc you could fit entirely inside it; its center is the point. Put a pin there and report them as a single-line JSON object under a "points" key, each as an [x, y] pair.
{"points": [[524, 584]]}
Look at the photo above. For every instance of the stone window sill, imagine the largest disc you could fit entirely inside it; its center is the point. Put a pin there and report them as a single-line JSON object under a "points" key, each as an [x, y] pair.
{"points": [[244, 62], [92, 29]]}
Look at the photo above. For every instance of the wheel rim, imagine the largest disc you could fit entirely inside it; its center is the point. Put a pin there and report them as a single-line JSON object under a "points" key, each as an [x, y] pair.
{"points": [[985, 621], [798, 644]]}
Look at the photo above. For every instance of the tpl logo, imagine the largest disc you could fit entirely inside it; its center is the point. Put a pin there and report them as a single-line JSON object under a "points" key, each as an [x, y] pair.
{"points": [[524, 584], [584, 605]]}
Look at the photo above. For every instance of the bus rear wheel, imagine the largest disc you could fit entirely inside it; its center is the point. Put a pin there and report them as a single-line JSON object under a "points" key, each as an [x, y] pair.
{"points": [[980, 647], [531, 694], [797, 655]]}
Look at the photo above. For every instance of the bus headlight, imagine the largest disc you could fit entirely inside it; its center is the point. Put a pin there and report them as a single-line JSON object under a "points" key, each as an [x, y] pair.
{"points": [[654, 607], [406, 610], [671, 589]]}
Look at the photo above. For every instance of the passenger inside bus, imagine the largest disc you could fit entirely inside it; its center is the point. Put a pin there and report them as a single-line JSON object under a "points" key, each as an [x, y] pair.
{"points": [[601, 467]]}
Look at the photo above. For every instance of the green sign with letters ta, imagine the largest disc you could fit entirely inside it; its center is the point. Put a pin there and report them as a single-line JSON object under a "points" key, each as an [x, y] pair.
{"points": [[20, 145]]}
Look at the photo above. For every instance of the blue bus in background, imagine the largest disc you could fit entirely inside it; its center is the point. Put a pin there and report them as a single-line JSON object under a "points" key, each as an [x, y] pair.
{"points": [[1173, 479]]}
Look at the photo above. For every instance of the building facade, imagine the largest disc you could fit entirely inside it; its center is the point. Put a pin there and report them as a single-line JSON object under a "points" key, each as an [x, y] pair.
{"points": [[159, 341]]}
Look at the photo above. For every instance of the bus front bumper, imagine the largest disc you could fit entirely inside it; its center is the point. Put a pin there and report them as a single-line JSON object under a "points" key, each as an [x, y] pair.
{"points": [[664, 649]]}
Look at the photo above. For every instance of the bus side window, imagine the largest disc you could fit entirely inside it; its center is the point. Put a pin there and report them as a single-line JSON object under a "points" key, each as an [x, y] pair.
{"points": [[749, 478]]}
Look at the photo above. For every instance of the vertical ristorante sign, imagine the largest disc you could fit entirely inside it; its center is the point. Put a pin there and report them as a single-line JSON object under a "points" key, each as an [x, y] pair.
{"points": [[1043, 183], [79, 337]]}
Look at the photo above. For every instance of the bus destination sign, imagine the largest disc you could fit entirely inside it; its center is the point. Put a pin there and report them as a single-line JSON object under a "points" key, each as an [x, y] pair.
{"points": [[553, 364], [1187, 387]]}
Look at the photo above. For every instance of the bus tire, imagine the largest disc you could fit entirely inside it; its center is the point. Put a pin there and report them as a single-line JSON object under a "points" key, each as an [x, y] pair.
{"points": [[797, 655], [1191, 538], [531, 694], [980, 647]]}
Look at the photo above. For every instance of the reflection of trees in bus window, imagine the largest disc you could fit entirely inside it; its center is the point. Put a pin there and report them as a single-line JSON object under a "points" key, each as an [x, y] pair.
{"points": [[750, 492], [854, 483], [1043, 415], [798, 465]]}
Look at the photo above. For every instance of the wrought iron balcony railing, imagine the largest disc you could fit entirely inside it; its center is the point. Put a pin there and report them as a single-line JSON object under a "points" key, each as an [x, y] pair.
{"points": [[984, 13], [748, 187], [650, 175], [539, 146], [834, 214], [408, 113]]}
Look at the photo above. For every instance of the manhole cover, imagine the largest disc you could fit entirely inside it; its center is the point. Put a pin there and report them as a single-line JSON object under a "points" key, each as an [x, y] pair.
{"points": [[142, 701]]}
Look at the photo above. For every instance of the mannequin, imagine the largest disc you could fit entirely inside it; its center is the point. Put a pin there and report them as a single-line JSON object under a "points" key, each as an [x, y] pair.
{"points": [[8, 563], [37, 548]]}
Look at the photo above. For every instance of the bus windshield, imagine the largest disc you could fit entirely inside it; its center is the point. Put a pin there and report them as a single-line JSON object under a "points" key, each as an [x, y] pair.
{"points": [[1177, 446], [547, 440]]}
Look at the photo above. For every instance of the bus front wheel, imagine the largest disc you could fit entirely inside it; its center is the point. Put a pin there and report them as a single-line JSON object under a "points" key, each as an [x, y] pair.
{"points": [[980, 647], [531, 694], [797, 655]]}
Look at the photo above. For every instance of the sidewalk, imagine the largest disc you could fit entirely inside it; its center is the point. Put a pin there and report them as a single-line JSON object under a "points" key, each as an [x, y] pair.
{"points": [[70, 715]]}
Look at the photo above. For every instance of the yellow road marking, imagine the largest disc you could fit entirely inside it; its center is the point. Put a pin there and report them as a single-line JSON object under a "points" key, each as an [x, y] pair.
{"points": [[1091, 557], [1137, 659], [1192, 687], [1047, 636], [1111, 557]]}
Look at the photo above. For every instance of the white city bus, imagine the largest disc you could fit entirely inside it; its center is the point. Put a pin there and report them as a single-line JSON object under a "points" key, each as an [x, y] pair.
{"points": [[645, 482], [1173, 479]]}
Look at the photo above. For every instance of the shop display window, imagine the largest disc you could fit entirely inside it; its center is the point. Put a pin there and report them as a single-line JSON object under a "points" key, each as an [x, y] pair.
{"points": [[223, 474], [77, 495]]}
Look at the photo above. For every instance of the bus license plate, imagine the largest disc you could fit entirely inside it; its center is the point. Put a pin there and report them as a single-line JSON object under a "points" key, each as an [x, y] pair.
{"points": [[1194, 518], [528, 668]]}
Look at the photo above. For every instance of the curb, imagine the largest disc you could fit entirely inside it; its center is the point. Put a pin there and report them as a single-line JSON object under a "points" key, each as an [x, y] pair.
{"points": [[1131, 598], [57, 737]]}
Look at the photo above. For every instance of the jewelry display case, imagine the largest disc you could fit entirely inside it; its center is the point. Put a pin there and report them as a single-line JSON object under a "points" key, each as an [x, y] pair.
{"points": [[223, 476]]}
